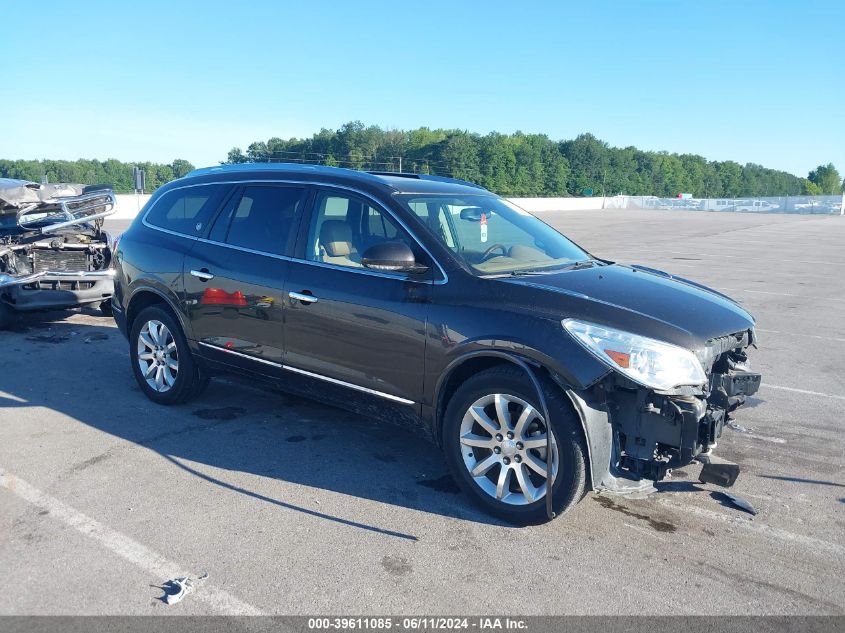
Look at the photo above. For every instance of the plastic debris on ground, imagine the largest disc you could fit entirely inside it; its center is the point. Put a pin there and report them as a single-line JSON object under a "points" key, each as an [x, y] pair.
{"points": [[176, 589], [739, 502]]}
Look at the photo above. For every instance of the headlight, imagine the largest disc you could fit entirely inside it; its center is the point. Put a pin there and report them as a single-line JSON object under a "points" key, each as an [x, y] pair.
{"points": [[651, 363]]}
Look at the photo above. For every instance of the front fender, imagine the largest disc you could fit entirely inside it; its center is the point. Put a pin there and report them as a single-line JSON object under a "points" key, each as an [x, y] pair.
{"points": [[549, 346]]}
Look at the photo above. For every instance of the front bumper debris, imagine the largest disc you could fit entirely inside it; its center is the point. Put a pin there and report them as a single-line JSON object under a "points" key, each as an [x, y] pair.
{"points": [[656, 432], [56, 289]]}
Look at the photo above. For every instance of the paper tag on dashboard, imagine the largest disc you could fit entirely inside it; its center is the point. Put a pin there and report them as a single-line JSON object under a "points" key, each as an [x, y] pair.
{"points": [[483, 226]]}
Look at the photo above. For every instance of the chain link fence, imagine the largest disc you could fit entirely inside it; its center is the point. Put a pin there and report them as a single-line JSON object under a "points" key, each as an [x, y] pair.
{"points": [[784, 204]]}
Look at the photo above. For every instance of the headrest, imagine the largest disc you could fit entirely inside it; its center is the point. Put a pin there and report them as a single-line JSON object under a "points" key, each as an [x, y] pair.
{"points": [[336, 238]]}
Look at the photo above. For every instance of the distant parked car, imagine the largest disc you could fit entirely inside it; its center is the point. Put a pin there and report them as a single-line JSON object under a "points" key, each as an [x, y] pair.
{"points": [[54, 252], [751, 206], [433, 302], [835, 206]]}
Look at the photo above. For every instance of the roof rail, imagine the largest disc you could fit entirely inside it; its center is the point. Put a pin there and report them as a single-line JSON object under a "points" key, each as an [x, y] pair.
{"points": [[402, 174], [270, 166]]}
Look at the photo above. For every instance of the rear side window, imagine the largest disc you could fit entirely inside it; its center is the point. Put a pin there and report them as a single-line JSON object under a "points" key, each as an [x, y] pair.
{"points": [[264, 218], [187, 210]]}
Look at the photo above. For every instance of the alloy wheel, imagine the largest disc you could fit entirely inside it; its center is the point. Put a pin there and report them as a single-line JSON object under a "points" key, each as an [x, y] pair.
{"points": [[503, 445], [158, 356]]}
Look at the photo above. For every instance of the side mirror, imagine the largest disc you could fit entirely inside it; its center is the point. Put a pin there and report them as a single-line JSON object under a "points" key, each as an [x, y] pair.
{"points": [[473, 214], [391, 257]]}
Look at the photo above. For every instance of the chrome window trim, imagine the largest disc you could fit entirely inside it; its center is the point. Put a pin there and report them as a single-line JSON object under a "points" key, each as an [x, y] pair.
{"points": [[359, 271], [310, 374]]}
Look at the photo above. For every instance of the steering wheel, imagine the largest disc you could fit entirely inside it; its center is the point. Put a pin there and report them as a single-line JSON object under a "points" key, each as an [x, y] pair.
{"points": [[492, 248]]}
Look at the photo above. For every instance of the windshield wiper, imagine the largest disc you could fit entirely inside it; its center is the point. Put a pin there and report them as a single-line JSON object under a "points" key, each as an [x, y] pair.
{"points": [[514, 273], [584, 263]]}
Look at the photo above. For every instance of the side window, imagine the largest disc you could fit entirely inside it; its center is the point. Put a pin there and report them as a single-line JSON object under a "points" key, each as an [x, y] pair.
{"points": [[186, 210], [379, 226], [444, 228], [263, 218], [343, 227], [434, 214]]}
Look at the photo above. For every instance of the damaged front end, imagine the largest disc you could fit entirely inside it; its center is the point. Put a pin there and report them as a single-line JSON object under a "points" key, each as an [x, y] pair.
{"points": [[54, 252], [657, 427], [658, 431]]}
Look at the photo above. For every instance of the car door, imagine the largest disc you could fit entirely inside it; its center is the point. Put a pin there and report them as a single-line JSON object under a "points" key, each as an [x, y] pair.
{"points": [[234, 279], [349, 327]]}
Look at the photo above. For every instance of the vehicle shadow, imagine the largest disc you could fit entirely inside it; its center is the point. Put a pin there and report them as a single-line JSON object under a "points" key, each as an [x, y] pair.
{"points": [[24, 321], [234, 426], [801, 480]]}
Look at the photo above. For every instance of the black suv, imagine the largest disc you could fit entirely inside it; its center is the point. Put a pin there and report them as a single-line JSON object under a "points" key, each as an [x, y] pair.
{"points": [[433, 302]]}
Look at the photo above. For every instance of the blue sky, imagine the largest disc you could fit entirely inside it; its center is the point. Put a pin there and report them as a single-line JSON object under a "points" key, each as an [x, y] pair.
{"points": [[750, 81]]}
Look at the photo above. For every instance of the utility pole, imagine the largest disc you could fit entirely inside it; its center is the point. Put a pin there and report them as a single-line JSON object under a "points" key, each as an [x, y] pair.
{"points": [[400, 164]]}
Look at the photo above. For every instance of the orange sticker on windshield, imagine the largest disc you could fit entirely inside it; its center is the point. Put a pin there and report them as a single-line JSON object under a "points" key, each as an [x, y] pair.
{"points": [[483, 226]]}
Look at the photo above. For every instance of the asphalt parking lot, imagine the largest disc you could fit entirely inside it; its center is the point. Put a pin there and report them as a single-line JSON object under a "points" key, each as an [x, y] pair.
{"points": [[292, 507]]}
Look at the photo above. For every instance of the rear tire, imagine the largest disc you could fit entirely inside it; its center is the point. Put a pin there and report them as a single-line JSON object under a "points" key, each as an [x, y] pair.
{"points": [[471, 432], [161, 359]]}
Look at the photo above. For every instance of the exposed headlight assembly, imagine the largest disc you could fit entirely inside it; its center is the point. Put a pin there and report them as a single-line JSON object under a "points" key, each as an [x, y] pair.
{"points": [[651, 363]]}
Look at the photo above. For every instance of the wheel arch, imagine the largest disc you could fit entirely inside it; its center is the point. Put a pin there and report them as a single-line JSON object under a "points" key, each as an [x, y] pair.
{"points": [[147, 296], [470, 364]]}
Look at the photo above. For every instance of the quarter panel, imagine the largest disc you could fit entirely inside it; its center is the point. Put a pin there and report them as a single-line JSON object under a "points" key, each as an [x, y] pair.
{"points": [[152, 260]]}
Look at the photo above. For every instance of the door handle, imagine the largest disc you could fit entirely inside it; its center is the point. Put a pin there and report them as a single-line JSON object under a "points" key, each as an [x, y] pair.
{"points": [[202, 275], [304, 298]]}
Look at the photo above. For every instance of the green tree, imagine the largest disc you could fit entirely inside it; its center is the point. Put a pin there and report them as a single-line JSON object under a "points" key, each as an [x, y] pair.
{"points": [[236, 156], [460, 155], [181, 167], [809, 188], [827, 179], [588, 162]]}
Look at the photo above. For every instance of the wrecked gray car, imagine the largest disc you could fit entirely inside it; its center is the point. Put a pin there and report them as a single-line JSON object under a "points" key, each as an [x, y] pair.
{"points": [[54, 253]]}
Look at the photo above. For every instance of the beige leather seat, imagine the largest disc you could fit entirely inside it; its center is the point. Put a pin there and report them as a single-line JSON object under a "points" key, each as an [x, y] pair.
{"points": [[336, 245]]}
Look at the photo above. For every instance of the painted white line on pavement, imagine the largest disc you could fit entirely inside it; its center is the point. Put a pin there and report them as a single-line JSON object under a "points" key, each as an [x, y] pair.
{"points": [[760, 528], [804, 391], [698, 255], [779, 294], [822, 338], [153, 563], [12, 397], [644, 531]]}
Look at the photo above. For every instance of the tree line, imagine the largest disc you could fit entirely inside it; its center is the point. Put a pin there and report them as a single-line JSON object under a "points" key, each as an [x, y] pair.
{"points": [[509, 164], [535, 165], [95, 172]]}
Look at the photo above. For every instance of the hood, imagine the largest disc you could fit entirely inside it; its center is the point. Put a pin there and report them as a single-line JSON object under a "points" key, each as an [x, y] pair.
{"points": [[28, 205], [639, 300], [16, 195]]}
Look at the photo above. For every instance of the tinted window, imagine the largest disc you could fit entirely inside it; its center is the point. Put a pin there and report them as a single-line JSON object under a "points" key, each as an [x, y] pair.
{"points": [[186, 210], [263, 218], [343, 227]]}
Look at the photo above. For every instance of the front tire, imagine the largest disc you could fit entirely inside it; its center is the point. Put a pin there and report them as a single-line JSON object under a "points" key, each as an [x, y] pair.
{"points": [[161, 359], [494, 438]]}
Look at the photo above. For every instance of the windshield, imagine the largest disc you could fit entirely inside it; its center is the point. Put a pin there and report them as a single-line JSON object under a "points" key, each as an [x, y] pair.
{"points": [[492, 236]]}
